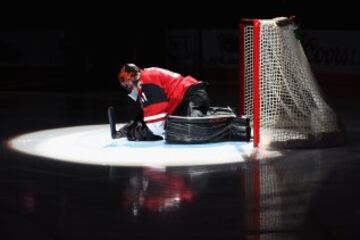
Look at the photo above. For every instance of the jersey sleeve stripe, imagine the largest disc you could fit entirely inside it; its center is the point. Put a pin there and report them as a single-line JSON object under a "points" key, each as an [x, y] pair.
{"points": [[155, 117], [155, 120]]}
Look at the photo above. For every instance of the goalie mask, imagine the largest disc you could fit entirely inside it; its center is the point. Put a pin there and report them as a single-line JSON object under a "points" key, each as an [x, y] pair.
{"points": [[128, 78]]}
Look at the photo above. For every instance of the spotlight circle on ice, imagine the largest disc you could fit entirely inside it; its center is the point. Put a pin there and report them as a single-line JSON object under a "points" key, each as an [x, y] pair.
{"points": [[92, 144]]}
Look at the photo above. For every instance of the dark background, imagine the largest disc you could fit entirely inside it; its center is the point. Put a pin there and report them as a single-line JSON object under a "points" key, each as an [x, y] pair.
{"points": [[91, 45]]}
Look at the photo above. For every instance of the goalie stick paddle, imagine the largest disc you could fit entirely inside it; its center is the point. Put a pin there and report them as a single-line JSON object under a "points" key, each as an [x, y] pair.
{"points": [[112, 121]]}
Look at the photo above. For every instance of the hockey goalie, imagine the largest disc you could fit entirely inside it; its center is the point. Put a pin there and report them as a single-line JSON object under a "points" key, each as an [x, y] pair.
{"points": [[175, 108]]}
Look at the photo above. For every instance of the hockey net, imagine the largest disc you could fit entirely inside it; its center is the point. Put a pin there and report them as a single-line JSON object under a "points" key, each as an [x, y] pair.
{"points": [[278, 90]]}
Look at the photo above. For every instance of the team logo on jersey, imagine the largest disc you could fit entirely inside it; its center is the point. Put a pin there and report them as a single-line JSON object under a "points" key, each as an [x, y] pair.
{"points": [[151, 94]]}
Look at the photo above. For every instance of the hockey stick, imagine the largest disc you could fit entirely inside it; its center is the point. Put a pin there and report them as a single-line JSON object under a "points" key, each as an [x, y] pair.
{"points": [[112, 121]]}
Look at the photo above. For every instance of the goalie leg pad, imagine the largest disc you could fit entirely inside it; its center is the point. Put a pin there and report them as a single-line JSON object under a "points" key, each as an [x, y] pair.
{"points": [[212, 128]]}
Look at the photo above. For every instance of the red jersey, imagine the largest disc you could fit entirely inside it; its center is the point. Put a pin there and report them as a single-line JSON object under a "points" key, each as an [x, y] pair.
{"points": [[161, 92]]}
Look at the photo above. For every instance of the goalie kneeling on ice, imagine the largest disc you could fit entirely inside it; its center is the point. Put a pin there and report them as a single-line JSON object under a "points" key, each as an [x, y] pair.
{"points": [[220, 124]]}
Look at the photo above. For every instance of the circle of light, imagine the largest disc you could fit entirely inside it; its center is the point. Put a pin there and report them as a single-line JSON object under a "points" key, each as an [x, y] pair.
{"points": [[92, 144]]}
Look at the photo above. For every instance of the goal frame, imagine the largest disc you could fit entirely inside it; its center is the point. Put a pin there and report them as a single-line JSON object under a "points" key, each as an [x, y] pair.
{"points": [[256, 104]]}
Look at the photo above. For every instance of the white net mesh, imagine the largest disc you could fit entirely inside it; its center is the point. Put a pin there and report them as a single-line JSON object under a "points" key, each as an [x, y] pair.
{"points": [[293, 112]]}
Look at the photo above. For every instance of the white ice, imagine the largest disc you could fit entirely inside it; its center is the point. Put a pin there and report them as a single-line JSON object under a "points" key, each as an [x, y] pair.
{"points": [[92, 144]]}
